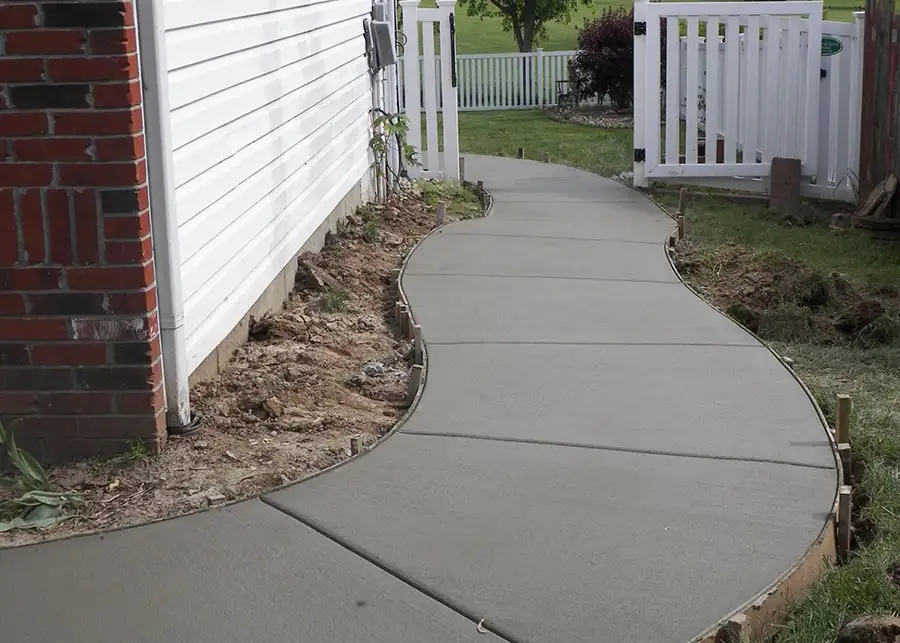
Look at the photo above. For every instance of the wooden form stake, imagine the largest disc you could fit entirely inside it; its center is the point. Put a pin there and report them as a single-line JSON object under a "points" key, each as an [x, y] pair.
{"points": [[735, 630], [681, 194], [440, 214], [479, 192], [521, 152], [846, 462], [671, 241], [354, 446], [843, 527], [395, 278], [680, 220], [404, 321], [546, 157], [397, 319], [842, 423], [462, 169], [417, 344], [415, 379]]}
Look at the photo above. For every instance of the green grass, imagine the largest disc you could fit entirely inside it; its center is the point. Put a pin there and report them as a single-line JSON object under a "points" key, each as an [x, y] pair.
{"points": [[606, 152]]}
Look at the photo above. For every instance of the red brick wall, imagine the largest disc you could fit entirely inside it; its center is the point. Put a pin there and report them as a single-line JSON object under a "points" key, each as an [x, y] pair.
{"points": [[80, 366]]}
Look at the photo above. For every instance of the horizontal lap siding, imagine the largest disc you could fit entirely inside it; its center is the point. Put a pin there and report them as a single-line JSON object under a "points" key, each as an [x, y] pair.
{"points": [[270, 116]]}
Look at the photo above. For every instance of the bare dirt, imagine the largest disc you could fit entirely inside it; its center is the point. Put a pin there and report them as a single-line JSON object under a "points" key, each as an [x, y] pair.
{"points": [[325, 369], [781, 299]]}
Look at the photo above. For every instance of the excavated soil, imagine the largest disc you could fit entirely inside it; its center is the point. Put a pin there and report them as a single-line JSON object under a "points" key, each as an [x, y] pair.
{"points": [[325, 369], [781, 299]]}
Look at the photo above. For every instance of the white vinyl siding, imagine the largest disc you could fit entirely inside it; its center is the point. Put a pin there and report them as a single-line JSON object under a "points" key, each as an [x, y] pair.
{"points": [[270, 118]]}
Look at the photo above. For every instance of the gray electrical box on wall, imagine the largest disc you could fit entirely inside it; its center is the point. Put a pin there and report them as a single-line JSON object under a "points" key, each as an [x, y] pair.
{"points": [[383, 44]]}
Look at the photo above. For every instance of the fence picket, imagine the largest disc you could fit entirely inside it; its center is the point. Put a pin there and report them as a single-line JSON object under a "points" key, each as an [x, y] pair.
{"points": [[750, 104], [732, 95], [711, 97], [430, 90], [691, 91], [673, 93]]}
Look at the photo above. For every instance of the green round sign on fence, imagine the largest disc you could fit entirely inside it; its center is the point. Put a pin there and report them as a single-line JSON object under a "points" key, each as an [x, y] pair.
{"points": [[831, 46]]}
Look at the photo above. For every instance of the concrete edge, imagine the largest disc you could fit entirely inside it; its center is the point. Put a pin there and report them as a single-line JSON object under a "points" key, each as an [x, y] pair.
{"points": [[397, 426], [763, 614]]}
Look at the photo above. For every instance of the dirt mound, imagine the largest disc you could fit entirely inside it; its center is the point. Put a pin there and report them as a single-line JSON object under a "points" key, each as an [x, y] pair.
{"points": [[781, 299], [326, 368]]}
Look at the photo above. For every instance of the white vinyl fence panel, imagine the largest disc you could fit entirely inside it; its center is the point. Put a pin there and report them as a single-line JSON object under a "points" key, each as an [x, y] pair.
{"points": [[503, 81]]}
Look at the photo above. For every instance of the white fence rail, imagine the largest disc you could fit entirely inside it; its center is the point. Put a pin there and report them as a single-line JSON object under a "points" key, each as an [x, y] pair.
{"points": [[839, 104], [505, 81]]}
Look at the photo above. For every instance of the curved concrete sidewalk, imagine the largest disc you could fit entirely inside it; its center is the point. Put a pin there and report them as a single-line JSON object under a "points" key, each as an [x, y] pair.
{"points": [[597, 456]]}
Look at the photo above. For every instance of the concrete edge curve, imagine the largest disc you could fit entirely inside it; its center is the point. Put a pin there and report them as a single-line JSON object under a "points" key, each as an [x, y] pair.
{"points": [[758, 616], [397, 426]]}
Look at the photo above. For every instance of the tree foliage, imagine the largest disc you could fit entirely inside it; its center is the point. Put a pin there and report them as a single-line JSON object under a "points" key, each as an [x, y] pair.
{"points": [[527, 19]]}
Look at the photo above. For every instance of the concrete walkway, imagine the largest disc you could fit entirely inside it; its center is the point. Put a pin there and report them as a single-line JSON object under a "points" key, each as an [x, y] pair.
{"points": [[598, 456]]}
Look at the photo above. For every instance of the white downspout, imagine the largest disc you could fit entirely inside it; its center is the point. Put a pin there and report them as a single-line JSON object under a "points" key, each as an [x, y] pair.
{"points": [[163, 219]]}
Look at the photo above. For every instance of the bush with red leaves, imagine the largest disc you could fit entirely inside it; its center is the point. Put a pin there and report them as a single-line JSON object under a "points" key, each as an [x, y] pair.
{"points": [[604, 64]]}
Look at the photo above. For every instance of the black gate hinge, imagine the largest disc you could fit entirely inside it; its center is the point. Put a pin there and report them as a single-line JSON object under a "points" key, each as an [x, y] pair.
{"points": [[640, 155], [640, 29]]}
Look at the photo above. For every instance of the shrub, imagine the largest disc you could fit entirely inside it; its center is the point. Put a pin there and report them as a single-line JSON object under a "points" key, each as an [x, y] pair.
{"points": [[604, 64]]}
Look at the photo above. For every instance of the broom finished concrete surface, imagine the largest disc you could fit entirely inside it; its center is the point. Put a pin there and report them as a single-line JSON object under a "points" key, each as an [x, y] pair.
{"points": [[598, 456]]}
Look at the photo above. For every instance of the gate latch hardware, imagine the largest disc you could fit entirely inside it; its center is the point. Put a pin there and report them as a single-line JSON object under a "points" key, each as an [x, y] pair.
{"points": [[640, 29], [640, 155]]}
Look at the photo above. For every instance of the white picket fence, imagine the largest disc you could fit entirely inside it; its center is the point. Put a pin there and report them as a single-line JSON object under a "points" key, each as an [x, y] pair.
{"points": [[506, 81], [839, 103]]}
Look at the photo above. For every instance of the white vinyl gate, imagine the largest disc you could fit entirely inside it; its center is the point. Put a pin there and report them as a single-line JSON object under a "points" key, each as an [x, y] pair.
{"points": [[438, 154], [770, 88]]}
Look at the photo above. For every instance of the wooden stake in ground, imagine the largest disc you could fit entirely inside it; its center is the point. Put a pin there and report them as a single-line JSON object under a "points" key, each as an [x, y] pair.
{"points": [[735, 630], [462, 169], [354, 446], [404, 321], [546, 157], [395, 279], [680, 220], [521, 152], [846, 462], [418, 353], [440, 213], [784, 185], [479, 192], [681, 194], [415, 380], [843, 530], [398, 320], [842, 415]]}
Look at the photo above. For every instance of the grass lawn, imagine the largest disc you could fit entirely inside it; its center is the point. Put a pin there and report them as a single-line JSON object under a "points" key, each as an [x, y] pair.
{"points": [[606, 152], [744, 244]]}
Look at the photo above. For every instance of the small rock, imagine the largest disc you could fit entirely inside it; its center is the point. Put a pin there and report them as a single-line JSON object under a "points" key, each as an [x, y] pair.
{"points": [[273, 407], [875, 628], [216, 498], [373, 369], [315, 278]]}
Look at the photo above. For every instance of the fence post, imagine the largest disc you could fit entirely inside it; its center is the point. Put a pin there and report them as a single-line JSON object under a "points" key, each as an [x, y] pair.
{"points": [[449, 99], [641, 14], [540, 77], [412, 79], [855, 122]]}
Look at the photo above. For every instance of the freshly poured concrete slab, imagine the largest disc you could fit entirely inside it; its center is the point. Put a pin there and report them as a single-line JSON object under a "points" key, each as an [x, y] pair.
{"points": [[572, 545], [514, 180], [454, 309], [583, 221], [245, 573], [727, 402], [449, 254]]}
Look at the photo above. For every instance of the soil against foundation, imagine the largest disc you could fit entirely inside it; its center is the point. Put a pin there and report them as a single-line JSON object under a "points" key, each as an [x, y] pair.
{"points": [[781, 299], [327, 368]]}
